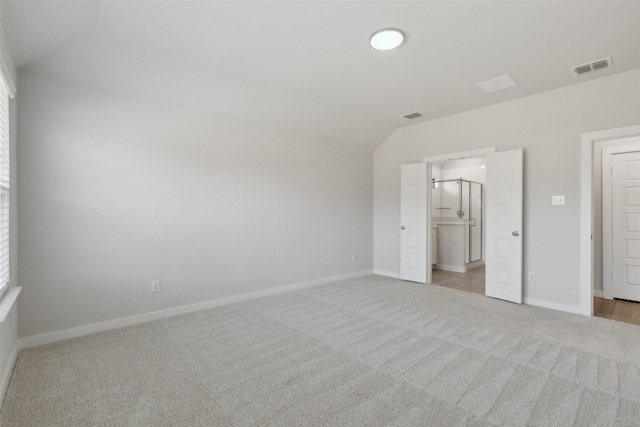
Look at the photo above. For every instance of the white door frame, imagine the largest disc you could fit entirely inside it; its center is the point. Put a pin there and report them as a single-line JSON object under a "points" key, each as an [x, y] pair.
{"points": [[588, 141], [444, 157], [607, 212]]}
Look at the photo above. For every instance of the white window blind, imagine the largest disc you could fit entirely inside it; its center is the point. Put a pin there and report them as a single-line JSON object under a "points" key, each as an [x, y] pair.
{"points": [[4, 185]]}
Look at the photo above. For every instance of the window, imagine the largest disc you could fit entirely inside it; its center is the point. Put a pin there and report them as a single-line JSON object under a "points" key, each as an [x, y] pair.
{"points": [[5, 94]]}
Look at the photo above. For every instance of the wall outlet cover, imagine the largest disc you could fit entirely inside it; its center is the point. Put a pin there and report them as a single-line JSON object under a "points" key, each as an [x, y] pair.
{"points": [[155, 286]]}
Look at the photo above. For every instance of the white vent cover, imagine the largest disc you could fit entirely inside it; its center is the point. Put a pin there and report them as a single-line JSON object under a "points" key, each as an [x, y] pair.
{"points": [[592, 66], [413, 115], [496, 84]]}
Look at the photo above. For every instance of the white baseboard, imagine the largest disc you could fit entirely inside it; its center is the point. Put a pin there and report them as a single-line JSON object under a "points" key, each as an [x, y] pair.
{"points": [[453, 268], [597, 293], [51, 337], [560, 307], [386, 273], [4, 382], [475, 264]]}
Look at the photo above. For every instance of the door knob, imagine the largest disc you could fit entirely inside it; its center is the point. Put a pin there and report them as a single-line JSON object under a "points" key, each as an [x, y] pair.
{"points": [[402, 228], [515, 233]]}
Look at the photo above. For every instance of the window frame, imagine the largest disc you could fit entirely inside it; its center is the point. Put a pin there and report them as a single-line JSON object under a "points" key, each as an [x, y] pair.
{"points": [[7, 91]]}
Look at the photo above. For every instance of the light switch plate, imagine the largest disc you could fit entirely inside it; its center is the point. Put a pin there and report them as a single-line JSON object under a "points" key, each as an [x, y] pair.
{"points": [[557, 200]]}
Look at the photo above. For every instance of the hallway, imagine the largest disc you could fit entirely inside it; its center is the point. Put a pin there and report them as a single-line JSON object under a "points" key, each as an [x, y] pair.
{"points": [[617, 309]]}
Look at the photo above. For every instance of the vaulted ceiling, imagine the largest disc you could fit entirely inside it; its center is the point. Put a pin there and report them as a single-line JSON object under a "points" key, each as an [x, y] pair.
{"points": [[306, 66]]}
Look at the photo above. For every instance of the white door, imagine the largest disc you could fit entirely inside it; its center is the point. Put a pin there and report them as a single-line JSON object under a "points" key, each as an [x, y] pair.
{"points": [[625, 225], [415, 264], [504, 226]]}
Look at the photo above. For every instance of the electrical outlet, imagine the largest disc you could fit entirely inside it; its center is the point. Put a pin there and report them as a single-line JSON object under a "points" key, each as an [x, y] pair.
{"points": [[354, 257], [155, 286], [532, 276]]}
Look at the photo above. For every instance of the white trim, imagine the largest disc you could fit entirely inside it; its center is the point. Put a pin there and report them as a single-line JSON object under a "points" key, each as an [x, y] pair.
{"points": [[461, 155], [392, 274], [597, 293], [51, 337], [553, 306], [8, 371], [586, 209]]}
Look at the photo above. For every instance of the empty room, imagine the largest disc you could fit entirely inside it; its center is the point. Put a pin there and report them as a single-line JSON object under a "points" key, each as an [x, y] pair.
{"points": [[283, 213]]}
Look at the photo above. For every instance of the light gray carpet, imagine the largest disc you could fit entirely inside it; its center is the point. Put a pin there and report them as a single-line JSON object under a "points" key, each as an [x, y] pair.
{"points": [[368, 351]]}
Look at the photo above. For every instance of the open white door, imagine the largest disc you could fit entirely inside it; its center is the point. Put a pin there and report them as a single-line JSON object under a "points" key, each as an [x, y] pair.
{"points": [[504, 226], [415, 264], [621, 220], [625, 225]]}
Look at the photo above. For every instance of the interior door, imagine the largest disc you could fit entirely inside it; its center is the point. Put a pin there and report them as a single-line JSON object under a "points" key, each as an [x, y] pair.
{"points": [[415, 264], [504, 225], [625, 225]]}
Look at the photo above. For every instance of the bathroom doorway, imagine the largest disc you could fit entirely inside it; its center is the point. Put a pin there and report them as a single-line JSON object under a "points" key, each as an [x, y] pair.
{"points": [[503, 244], [458, 226]]}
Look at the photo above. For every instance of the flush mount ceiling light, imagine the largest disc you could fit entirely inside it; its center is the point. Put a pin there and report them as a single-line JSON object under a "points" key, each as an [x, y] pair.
{"points": [[386, 39]]}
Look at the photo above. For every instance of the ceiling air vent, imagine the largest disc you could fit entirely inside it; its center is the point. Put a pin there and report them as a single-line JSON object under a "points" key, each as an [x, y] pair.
{"points": [[582, 69], [604, 63], [413, 115], [592, 66], [496, 84]]}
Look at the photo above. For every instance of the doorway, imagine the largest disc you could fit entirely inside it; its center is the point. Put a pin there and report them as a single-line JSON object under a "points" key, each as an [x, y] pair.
{"points": [[458, 226], [504, 209], [620, 232], [591, 237]]}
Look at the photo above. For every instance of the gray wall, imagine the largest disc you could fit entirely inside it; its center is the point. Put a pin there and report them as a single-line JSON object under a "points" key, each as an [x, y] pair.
{"points": [[115, 192], [548, 127]]}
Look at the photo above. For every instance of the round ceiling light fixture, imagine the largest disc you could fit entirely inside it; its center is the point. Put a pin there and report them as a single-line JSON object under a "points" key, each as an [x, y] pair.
{"points": [[386, 39]]}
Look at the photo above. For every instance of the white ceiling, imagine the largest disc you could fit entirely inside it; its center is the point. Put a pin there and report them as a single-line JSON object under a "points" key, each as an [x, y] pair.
{"points": [[306, 66]]}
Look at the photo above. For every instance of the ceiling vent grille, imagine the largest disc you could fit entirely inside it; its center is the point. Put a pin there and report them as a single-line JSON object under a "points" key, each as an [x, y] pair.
{"points": [[582, 69], [413, 115], [497, 84], [592, 66]]}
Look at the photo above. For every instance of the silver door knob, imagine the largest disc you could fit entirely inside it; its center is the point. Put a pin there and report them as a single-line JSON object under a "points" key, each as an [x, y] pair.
{"points": [[402, 228], [515, 233]]}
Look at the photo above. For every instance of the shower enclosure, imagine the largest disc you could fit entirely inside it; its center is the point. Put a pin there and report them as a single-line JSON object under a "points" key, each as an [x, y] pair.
{"points": [[459, 202]]}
